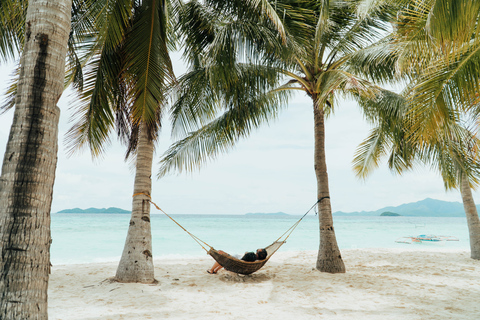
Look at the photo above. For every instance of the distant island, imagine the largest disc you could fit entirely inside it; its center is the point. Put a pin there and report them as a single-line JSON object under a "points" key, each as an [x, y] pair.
{"points": [[95, 210], [389, 214], [424, 208]]}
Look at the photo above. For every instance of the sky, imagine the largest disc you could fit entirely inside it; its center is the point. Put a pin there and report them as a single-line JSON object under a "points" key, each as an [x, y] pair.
{"points": [[271, 171]]}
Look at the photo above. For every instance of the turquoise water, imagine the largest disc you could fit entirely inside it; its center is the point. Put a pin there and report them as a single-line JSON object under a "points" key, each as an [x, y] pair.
{"points": [[85, 238]]}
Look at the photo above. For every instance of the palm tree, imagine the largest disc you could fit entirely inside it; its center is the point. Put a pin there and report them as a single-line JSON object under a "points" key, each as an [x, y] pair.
{"points": [[453, 151], [441, 37], [127, 74], [29, 164], [437, 48], [327, 50]]}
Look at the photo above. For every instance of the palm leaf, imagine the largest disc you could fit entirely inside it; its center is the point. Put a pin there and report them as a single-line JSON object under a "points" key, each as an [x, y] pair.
{"points": [[221, 134], [147, 61], [12, 23], [95, 107], [369, 152]]}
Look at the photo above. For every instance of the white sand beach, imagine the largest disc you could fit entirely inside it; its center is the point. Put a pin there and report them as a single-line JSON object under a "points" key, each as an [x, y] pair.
{"points": [[380, 284]]}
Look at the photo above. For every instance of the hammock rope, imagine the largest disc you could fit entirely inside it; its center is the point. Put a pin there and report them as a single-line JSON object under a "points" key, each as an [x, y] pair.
{"points": [[194, 237], [290, 230], [228, 262]]}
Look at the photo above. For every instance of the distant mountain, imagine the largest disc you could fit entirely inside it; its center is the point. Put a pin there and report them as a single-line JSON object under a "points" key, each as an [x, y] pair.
{"points": [[95, 210], [425, 208]]}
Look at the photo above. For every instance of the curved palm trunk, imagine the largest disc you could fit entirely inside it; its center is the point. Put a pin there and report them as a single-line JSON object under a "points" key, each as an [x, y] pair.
{"points": [[472, 217], [329, 258], [29, 164], [136, 264]]}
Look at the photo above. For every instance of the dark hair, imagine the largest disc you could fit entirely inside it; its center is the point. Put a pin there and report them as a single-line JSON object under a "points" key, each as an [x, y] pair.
{"points": [[261, 254], [249, 256]]}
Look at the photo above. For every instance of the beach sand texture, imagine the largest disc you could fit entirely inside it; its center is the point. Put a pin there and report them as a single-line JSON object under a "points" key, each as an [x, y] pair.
{"points": [[379, 284]]}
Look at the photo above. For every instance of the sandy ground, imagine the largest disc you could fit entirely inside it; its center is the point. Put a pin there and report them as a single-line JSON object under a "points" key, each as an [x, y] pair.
{"points": [[379, 284]]}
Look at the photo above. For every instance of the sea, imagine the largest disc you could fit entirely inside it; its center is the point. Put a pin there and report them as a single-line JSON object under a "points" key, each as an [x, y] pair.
{"points": [[89, 238]]}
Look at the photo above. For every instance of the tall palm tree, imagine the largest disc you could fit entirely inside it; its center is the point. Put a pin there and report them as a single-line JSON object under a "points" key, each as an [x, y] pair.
{"points": [[29, 164], [438, 49], [441, 42], [125, 85], [327, 50], [453, 151]]}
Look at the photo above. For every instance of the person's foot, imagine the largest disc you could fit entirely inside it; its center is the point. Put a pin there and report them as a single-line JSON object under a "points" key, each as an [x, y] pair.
{"points": [[211, 272]]}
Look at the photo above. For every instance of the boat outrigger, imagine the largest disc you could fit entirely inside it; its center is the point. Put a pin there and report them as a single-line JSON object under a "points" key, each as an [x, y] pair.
{"points": [[425, 238]]}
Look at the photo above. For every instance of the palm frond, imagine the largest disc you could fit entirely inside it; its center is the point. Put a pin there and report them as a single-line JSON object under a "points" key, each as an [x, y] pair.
{"points": [[216, 90], [94, 112], [12, 28], [263, 11], [453, 20], [376, 62], [453, 152], [11, 93], [267, 10], [351, 32], [221, 134], [368, 154], [387, 112], [343, 83], [148, 63], [112, 20], [445, 89]]}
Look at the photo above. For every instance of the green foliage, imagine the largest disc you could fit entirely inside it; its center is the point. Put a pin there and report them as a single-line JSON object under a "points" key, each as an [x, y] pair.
{"points": [[436, 46], [243, 62], [12, 22], [128, 69]]}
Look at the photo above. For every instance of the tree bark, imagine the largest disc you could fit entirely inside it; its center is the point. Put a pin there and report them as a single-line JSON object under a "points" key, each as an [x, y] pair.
{"points": [[136, 264], [473, 221], [29, 164], [329, 258]]}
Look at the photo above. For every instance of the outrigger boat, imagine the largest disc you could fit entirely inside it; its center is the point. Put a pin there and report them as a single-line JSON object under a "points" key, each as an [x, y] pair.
{"points": [[426, 238]]}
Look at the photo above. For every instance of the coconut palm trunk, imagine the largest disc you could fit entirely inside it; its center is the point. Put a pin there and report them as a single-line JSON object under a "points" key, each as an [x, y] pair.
{"points": [[473, 221], [136, 264], [29, 164], [329, 258]]}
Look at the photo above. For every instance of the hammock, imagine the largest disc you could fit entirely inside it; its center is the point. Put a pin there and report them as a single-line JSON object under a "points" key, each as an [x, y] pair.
{"points": [[231, 263], [243, 267]]}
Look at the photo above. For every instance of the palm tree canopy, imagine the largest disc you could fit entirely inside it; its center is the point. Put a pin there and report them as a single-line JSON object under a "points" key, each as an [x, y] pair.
{"points": [[12, 30], [439, 50], [348, 52], [453, 150], [128, 69]]}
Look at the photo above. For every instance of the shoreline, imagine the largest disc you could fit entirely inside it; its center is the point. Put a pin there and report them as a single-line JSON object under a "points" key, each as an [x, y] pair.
{"points": [[379, 284]]}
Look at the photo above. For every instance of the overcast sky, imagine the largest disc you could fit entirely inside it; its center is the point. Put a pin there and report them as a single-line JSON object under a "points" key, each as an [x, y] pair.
{"points": [[271, 171]]}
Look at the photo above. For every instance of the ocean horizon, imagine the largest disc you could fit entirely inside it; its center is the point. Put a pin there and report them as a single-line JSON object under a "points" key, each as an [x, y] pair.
{"points": [[88, 238]]}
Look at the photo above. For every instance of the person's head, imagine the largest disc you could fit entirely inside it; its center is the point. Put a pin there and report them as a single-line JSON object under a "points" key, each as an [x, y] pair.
{"points": [[261, 254], [249, 256]]}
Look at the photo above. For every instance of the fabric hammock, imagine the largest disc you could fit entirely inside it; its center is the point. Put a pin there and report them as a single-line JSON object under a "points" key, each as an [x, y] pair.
{"points": [[231, 263]]}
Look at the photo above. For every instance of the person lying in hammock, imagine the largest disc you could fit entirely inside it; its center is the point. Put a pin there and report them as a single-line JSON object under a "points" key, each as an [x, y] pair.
{"points": [[248, 256]]}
